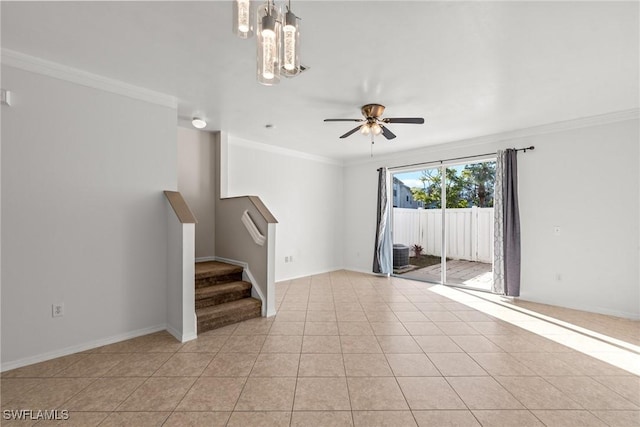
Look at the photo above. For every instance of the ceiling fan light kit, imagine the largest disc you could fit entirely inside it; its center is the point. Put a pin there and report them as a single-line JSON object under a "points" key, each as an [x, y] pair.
{"points": [[372, 124], [278, 38], [370, 128]]}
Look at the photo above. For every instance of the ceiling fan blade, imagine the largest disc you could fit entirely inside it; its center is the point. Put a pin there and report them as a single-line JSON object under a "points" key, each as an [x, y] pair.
{"points": [[414, 120], [351, 132], [343, 120], [387, 133]]}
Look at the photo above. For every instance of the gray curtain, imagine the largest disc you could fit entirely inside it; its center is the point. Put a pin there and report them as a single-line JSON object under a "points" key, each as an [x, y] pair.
{"points": [[382, 260], [498, 227], [511, 224]]}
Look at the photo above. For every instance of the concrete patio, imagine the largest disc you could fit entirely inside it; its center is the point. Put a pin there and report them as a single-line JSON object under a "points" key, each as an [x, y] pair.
{"points": [[477, 275]]}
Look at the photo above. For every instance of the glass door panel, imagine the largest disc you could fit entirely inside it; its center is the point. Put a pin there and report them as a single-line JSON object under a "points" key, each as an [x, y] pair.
{"points": [[469, 224], [417, 225]]}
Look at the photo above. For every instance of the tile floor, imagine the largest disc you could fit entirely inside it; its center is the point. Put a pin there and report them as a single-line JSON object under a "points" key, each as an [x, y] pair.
{"points": [[345, 349]]}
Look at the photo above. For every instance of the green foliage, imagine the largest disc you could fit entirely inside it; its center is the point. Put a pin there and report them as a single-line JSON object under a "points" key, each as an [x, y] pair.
{"points": [[417, 250], [480, 178], [471, 186]]}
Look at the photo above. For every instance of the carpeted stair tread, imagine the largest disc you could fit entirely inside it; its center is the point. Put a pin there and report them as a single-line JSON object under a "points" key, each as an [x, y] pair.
{"points": [[221, 296], [215, 273], [228, 308], [222, 293], [228, 313], [222, 288], [216, 268]]}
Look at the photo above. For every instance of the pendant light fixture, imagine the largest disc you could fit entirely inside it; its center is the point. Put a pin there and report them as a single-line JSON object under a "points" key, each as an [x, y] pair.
{"points": [[243, 18], [290, 43], [278, 38], [268, 52]]}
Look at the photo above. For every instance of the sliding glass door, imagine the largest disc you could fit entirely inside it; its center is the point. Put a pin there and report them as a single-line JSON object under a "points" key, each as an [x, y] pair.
{"points": [[443, 222], [469, 224], [417, 225]]}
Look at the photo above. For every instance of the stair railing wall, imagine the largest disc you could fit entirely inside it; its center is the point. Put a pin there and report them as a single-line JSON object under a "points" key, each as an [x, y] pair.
{"points": [[234, 242], [237, 245], [251, 227], [181, 310]]}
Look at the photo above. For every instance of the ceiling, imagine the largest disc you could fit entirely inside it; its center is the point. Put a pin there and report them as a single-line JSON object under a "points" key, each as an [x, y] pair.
{"points": [[469, 68]]}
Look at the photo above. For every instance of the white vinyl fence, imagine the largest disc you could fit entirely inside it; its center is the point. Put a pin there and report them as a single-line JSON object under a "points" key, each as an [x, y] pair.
{"points": [[469, 231]]}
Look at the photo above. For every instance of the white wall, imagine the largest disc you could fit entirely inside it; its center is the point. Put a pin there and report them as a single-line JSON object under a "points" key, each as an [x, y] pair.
{"points": [[84, 220], [304, 193], [196, 178], [181, 311], [584, 180], [589, 179]]}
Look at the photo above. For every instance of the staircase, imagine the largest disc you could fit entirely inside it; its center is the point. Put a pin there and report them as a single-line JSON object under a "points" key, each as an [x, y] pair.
{"points": [[222, 297]]}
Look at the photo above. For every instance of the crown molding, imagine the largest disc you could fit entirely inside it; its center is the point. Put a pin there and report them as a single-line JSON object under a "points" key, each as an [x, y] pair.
{"points": [[282, 151], [32, 64], [582, 122]]}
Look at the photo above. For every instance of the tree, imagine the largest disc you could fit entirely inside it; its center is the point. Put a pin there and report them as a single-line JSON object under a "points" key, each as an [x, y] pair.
{"points": [[479, 181], [471, 186], [430, 193]]}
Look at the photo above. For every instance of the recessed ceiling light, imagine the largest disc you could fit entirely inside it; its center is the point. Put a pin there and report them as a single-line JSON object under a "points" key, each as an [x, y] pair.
{"points": [[198, 123]]}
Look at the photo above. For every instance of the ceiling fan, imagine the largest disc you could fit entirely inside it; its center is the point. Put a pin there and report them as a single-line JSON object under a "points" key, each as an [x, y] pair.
{"points": [[375, 125]]}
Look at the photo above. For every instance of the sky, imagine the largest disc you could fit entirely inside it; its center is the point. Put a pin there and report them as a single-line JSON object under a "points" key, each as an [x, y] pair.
{"points": [[412, 179]]}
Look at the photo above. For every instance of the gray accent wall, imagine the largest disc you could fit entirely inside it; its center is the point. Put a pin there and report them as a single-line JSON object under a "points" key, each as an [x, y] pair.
{"points": [[196, 180], [84, 219]]}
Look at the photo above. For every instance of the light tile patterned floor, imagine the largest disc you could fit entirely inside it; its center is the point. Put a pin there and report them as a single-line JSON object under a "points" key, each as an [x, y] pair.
{"points": [[346, 349]]}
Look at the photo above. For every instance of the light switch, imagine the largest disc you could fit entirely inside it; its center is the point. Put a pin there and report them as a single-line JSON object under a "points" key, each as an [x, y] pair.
{"points": [[5, 97]]}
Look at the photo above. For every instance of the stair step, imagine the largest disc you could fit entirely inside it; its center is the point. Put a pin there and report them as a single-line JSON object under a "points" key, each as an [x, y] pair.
{"points": [[227, 313], [222, 293], [216, 272]]}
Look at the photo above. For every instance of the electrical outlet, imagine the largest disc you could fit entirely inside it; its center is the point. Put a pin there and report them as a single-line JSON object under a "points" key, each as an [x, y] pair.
{"points": [[286, 259], [57, 310], [558, 277]]}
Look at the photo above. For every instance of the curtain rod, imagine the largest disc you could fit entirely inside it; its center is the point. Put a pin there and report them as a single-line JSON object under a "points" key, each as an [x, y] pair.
{"points": [[525, 149]]}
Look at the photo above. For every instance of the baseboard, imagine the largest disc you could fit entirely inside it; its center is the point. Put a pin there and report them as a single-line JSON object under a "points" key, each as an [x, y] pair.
{"points": [[80, 347], [229, 261], [246, 275], [206, 258], [371, 273], [360, 270], [597, 310], [182, 338], [315, 273]]}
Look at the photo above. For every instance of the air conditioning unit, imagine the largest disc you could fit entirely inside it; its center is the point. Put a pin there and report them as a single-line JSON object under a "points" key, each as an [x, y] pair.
{"points": [[400, 256]]}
